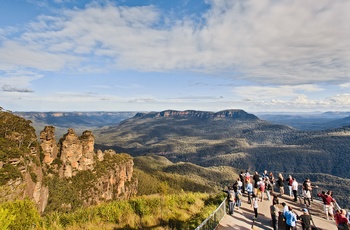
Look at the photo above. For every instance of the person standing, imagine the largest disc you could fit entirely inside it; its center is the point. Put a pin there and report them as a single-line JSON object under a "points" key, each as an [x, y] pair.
{"points": [[274, 210], [291, 219], [272, 181], [268, 188], [255, 205], [231, 195], [256, 179], [307, 197], [238, 199], [305, 220], [295, 189], [327, 204], [290, 182], [307, 186], [239, 184], [261, 187], [280, 183], [242, 178], [249, 189]]}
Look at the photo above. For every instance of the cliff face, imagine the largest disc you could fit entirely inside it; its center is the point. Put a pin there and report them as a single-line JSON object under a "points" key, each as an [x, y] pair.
{"points": [[233, 113], [59, 175], [77, 153], [21, 173], [97, 176], [117, 181]]}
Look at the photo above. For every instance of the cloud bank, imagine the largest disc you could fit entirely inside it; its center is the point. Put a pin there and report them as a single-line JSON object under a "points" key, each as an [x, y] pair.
{"points": [[286, 48]]}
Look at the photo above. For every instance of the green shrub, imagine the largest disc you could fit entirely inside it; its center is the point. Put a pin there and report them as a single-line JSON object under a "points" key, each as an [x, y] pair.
{"points": [[23, 213], [176, 211], [3, 156], [8, 172], [6, 218]]}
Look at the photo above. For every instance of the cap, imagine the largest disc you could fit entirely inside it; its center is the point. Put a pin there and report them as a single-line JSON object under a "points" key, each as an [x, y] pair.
{"points": [[305, 210]]}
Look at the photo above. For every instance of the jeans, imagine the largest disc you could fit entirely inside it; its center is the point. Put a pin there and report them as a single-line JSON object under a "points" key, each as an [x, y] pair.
{"points": [[268, 194], [274, 222], [249, 197], [231, 207], [238, 203]]}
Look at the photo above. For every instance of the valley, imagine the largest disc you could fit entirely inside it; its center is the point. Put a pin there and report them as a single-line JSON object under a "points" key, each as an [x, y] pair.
{"points": [[232, 138]]}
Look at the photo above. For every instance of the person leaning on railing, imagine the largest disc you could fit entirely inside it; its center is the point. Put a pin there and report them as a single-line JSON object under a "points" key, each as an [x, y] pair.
{"points": [[327, 204]]}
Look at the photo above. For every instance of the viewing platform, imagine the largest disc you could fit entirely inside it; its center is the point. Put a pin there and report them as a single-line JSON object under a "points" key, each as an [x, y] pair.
{"points": [[243, 217]]}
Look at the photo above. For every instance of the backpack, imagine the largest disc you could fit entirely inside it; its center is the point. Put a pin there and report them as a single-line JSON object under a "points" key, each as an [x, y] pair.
{"points": [[231, 195]]}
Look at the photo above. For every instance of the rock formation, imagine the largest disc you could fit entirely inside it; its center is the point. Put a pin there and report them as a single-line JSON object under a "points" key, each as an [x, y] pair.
{"points": [[74, 174], [109, 173], [21, 174], [48, 144]]}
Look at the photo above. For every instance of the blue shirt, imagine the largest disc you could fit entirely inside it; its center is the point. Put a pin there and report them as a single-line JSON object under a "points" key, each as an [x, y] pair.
{"points": [[291, 218], [249, 187]]}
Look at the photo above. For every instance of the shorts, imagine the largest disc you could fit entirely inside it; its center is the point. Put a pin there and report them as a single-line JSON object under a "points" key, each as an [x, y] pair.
{"points": [[328, 209]]}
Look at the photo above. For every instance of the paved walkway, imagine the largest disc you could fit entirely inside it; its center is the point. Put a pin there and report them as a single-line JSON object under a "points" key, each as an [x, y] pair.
{"points": [[243, 218]]}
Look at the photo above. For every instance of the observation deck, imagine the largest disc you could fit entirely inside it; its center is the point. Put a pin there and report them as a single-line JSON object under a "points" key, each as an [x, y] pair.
{"points": [[243, 218]]}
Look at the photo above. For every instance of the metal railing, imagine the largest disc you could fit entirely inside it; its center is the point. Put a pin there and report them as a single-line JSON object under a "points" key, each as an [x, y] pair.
{"points": [[214, 219]]}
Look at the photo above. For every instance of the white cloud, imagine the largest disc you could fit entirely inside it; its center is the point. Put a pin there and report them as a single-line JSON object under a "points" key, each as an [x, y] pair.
{"points": [[268, 92], [345, 85], [280, 42], [291, 47]]}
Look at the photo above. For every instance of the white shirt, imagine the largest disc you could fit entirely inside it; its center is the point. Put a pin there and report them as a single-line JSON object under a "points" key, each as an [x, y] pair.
{"points": [[295, 185]]}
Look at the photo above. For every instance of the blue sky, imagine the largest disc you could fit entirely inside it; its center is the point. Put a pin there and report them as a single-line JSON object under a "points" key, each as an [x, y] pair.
{"points": [[153, 55]]}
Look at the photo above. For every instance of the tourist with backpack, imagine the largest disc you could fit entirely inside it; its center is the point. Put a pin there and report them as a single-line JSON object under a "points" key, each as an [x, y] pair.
{"points": [[231, 196]]}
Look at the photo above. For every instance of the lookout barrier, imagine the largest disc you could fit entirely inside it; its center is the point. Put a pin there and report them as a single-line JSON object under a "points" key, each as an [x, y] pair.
{"points": [[214, 219]]}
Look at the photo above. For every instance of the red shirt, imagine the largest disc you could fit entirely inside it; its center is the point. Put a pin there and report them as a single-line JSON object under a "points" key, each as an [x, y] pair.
{"points": [[342, 220], [327, 200]]}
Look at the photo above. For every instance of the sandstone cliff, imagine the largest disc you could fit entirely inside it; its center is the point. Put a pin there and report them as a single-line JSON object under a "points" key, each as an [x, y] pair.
{"points": [[21, 174], [61, 175], [233, 113], [89, 177]]}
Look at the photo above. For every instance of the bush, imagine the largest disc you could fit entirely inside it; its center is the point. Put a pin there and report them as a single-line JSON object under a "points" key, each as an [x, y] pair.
{"points": [[8, 172], [6, 218], [23, 213]]}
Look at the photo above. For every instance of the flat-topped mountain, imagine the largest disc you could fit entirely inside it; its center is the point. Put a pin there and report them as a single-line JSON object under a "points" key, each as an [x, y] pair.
{"points": [[242, 142], [76, 119], [234, 113]]}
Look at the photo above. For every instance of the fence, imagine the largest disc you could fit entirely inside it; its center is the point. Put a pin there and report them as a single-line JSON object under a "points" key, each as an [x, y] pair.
{"points": [[214, 219]]}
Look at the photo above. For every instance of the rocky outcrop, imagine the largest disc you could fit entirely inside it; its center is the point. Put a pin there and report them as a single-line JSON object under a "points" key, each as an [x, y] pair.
{"points": [[99, 176], [233, 113], [48, 144], [73, 173], [117, 181], [21, 174]]}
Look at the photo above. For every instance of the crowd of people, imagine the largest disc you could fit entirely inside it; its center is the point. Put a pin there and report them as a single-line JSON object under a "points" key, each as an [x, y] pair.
{"points": [[265, 186]]}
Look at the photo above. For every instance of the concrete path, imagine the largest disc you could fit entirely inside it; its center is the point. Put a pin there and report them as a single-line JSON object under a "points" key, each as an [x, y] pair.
{"points": [[243, 218]]}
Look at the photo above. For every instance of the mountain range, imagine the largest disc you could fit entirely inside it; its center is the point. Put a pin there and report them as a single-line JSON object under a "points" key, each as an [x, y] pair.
{"points": [[237, 139]]}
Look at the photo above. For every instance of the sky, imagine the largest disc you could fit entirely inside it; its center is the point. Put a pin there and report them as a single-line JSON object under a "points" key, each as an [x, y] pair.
{"points": [[154, 55]]}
